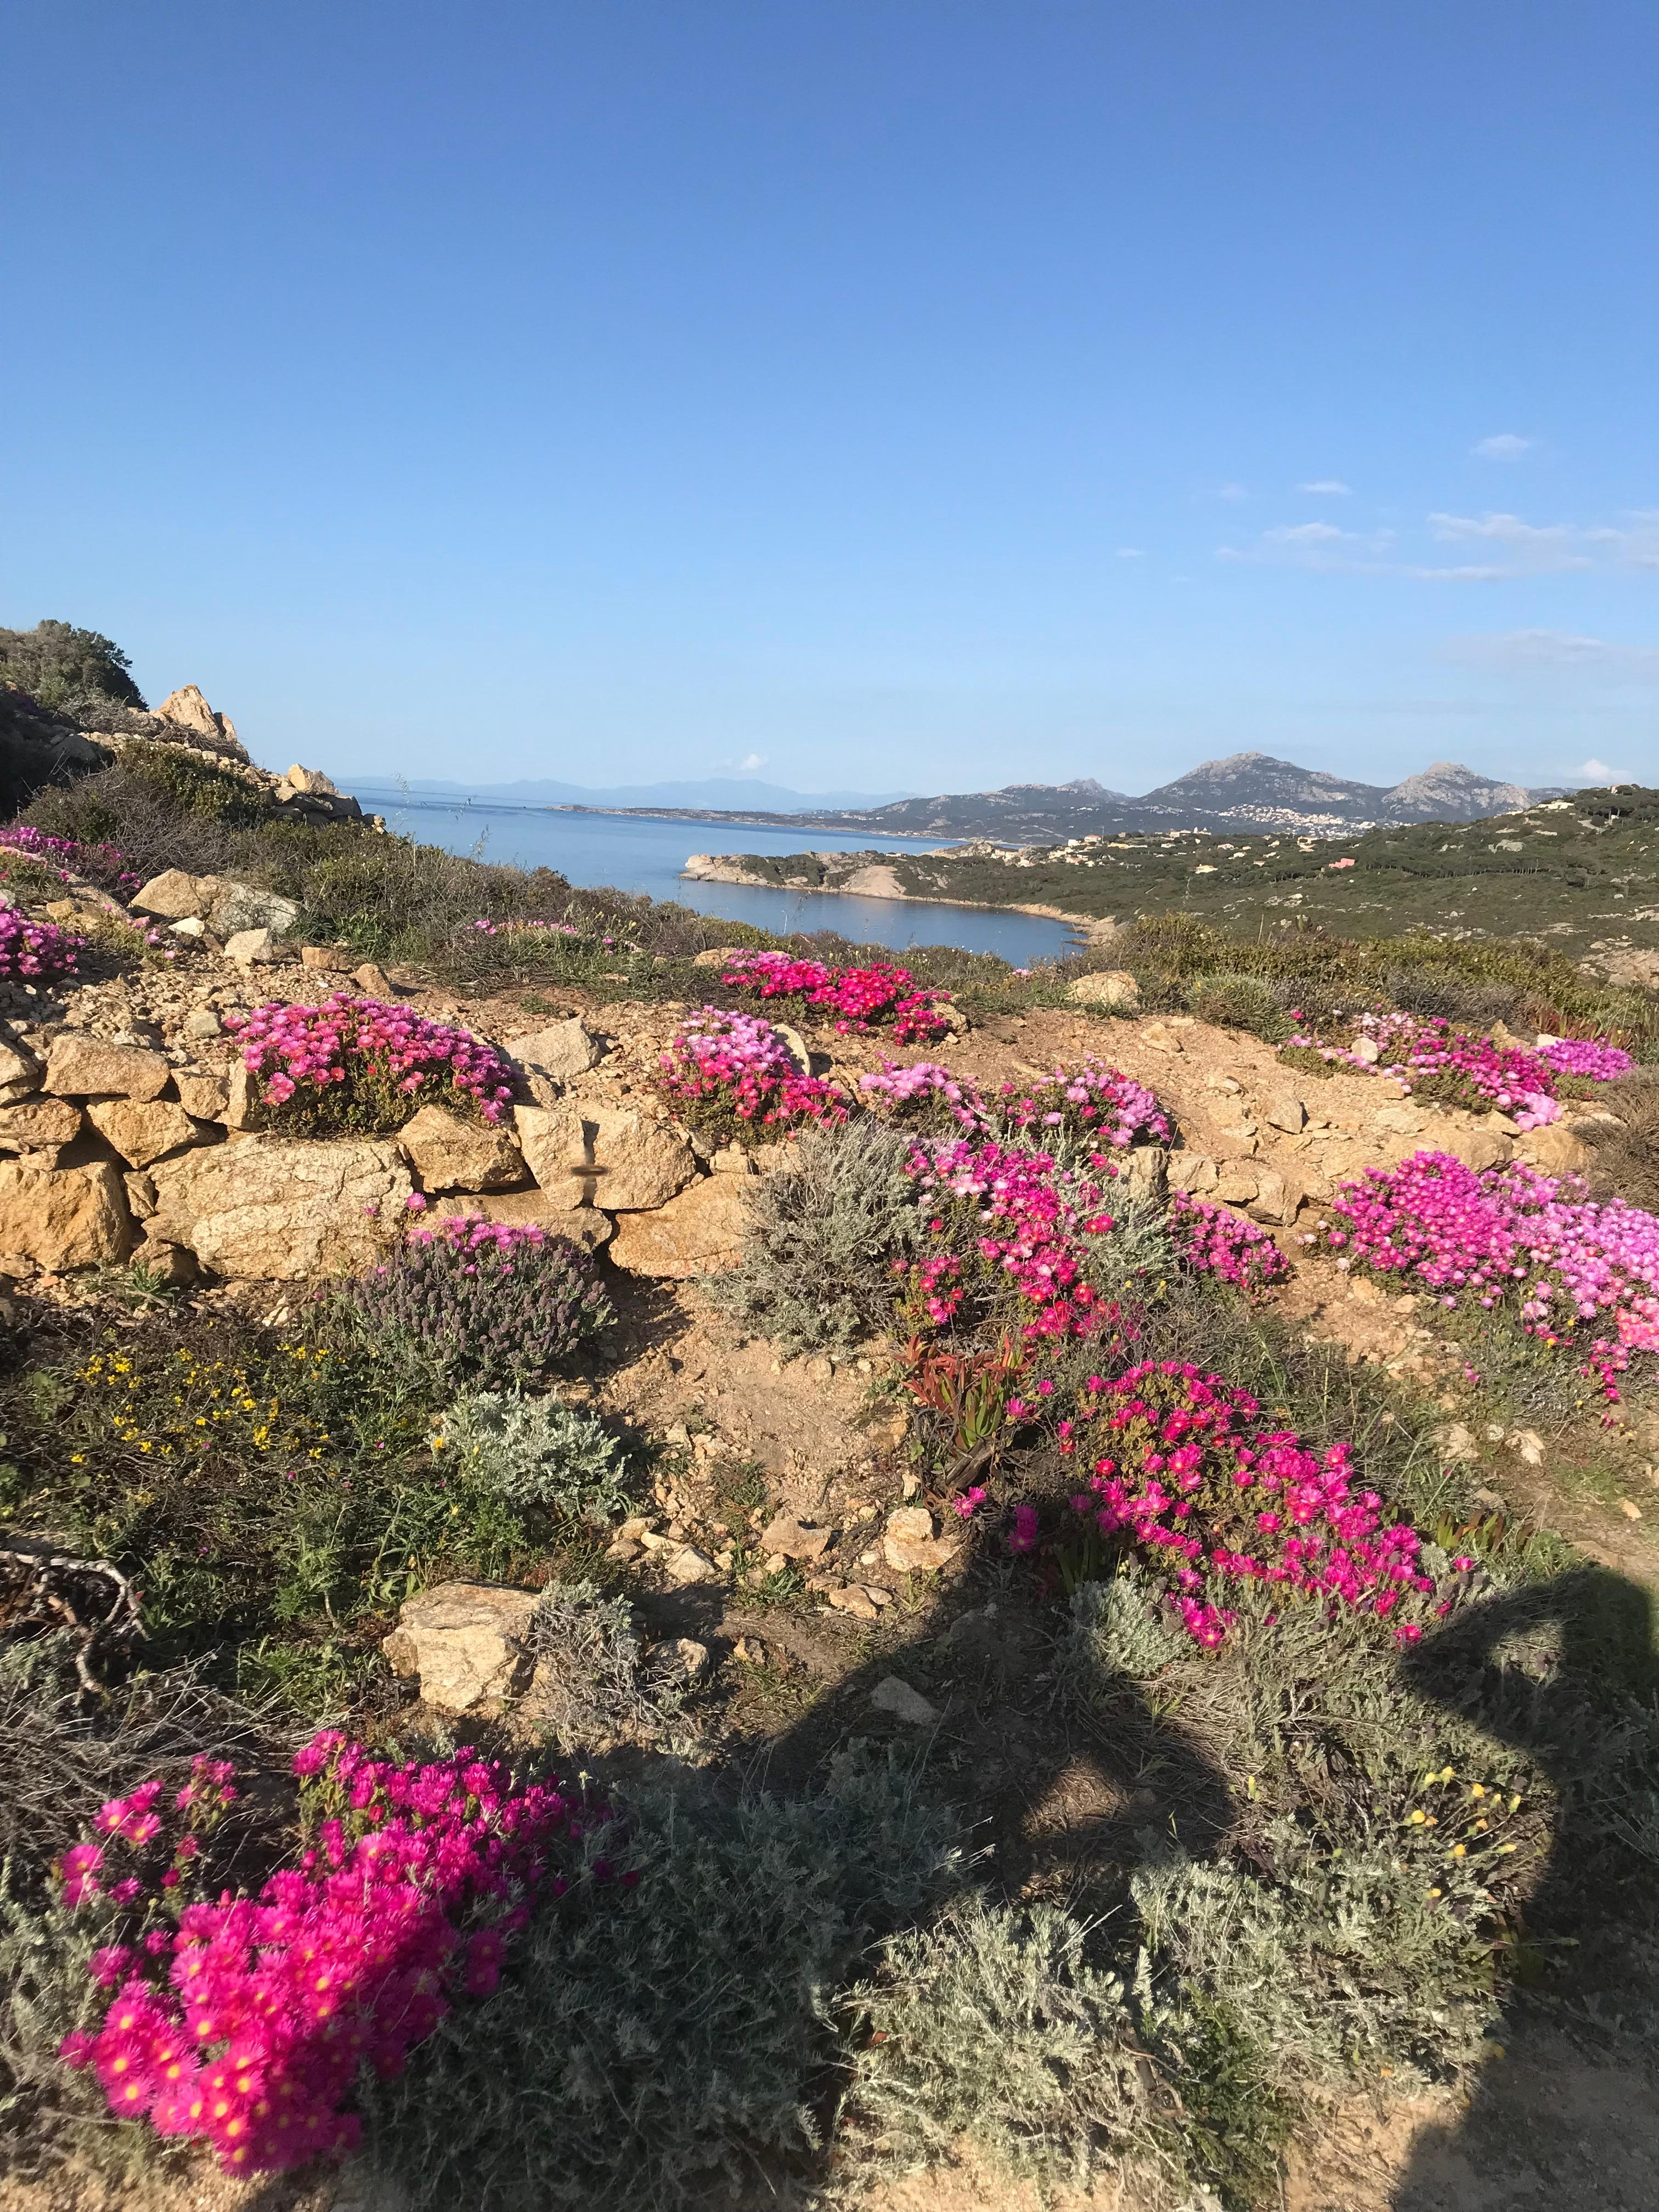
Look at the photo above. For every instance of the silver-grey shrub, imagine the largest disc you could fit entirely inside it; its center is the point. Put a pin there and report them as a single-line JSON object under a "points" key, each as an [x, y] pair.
{"points": [[993, 2024], [535, 1451], [822, 1234], [594, 1682], [1122, 1625], [659, 2048]]}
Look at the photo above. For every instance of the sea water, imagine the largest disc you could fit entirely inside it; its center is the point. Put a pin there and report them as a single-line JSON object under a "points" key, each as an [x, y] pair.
{"points": [[645, 853]]}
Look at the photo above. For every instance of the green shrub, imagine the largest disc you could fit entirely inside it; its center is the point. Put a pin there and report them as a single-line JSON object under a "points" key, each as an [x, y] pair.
{"points": [[595, 1683], [535, 1452], [63, 668], [664, 2050], [993, 2024], [1235, 1002], [1120, 1627], [822, 1235]]}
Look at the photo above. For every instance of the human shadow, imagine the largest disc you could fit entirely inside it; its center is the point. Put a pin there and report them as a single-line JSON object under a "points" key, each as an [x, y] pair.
{"points": [[1565, 2114]]}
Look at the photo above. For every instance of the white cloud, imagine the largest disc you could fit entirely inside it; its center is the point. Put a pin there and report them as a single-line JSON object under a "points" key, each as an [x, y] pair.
{"points": [[1231, 491], [1131, 553], [751, 762], [1328, 488], [1314, 545], [1530, 651], [1595, 771], [1533, 549], [1505, 446]]}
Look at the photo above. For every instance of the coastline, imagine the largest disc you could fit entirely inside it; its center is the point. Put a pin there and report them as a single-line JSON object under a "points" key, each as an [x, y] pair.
{"points": [[715, 869]]}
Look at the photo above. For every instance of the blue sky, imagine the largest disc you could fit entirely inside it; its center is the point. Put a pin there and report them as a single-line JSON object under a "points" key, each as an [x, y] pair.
{"points": [[888, 393]]}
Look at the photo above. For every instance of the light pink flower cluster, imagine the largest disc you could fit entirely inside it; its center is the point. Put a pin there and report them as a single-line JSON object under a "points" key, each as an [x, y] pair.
{"points": [[291, 1047], [1429, 1056], [860, 998], [242, 2023], [488, 928], [1586, 1056], [738, 1063], [33, 950], [1508, 1233], [1034, 1223], [924, 1085], [1221, 1242], [1183, 1471], [1092, 1101], [101, 864]]}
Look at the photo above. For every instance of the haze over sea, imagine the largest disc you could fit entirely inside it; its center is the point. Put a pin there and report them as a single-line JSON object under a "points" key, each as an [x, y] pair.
{"points": [[640, 853]]}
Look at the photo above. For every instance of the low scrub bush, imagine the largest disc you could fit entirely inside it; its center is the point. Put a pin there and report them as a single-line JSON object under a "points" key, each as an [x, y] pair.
{"points": [[677, 2046], [102, 864], [995, 2025], [732, 1077], [358, 1066], [534, 1452], [64, 668], [1119, 1626], [822, 1237], [479, 1305], [1626, 1148], [595, 1685], [1234, 1001]]}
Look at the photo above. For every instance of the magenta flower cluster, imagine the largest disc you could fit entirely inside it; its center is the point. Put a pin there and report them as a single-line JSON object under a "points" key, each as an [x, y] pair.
{"points": [[242, 2022], [294, 1049], [917, 1091], [34, 950], [1509, 1233], [1179, 1468], [1028, 1228], [1589, 1057], [859, 998], [739, 1064], [1429, 1056], [487, 929], [100, 863], [1218, 1241]]}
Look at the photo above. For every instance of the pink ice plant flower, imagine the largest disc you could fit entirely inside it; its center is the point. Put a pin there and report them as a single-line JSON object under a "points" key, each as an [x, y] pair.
{"points": [[859, 998], [740, 1060], [246, 2025], [291, 1047]]}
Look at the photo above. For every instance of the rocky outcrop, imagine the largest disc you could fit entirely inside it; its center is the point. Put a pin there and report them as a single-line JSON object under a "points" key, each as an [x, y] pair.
{"points": [[61, 1218], [550, 1057], [82, 1066], [466, 1643], [1115, 989], [189, 711], [448, 1153], [143, 1132], [582, 1153], [283, 1208], [698, 1232]]}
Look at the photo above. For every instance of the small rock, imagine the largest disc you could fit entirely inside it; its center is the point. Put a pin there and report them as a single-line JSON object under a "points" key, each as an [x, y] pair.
{"points": [[464, 1641], [1367, 1050], [911, 1487], [909, 1544], [688, 1566], [142, 1131], [895, 1696], [749, 1651], [450, 1153], [1161, 1038], [786, 1538], [795, 1045], [251, 948], [732, 1159], [238, 908], [38, 1125], [1529, 1444], [203, 1096], [635, 1526], [328, 958], [1110, 986], [82, 1066], [1457, 1443], [202, 1022], [1488, 1501], [372, 980], [191, 925], [848, 1597], [1286, 1113], [693, 1656], [558, 1051], [624, 1550], [1631, 1511]]}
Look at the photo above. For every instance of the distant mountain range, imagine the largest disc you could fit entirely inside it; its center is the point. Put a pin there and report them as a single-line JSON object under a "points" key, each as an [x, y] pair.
{"points": [[724, 794], [1246, 791]]}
